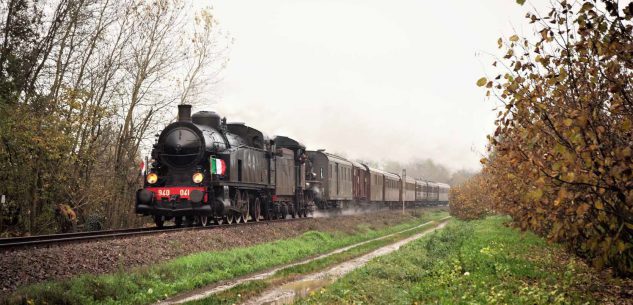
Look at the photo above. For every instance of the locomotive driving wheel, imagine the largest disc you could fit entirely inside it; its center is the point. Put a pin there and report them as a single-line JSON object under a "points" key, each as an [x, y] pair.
{"points": [[283, 212], [267, 210], [203, 220], [230, 217], [293, 211], [277, 211], [240, 200], [255, 209]]}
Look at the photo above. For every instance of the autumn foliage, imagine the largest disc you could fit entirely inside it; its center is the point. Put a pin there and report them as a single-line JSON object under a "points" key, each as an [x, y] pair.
{"points": [[468, 201], [560, 159], [84, 86]]}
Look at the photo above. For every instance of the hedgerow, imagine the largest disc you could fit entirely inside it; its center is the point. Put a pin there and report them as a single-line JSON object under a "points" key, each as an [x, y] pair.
{"points": [[560, 159]]}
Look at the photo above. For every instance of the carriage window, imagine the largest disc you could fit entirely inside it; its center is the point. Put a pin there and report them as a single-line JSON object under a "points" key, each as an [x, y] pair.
{"points": [[321, 172]]}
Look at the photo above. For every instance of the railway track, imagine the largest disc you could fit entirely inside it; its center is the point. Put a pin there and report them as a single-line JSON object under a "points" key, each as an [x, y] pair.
{"points": [[56, 239]]}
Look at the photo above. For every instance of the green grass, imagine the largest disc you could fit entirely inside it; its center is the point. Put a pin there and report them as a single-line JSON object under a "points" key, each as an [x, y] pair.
{"points": [[253, 288], [149, 284], [478, 262]]}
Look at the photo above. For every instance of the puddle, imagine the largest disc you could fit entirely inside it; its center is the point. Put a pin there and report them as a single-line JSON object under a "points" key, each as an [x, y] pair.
{"points": [[298, 288], [302, 287], [295, 290]]}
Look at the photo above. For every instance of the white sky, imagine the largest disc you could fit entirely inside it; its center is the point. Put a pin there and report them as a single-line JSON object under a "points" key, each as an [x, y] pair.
{"points": [[373, 79]]}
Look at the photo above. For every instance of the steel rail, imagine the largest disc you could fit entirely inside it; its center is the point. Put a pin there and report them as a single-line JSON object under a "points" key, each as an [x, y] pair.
{"points": [[56, 239]]}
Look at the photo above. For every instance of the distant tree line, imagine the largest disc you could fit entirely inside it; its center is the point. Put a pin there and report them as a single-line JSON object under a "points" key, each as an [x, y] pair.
{"points": [[425, 169], [83, 85]]}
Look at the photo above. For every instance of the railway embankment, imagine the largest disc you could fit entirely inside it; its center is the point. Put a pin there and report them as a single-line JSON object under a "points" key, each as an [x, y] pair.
{"points": [[477, 262], [145, 269]]}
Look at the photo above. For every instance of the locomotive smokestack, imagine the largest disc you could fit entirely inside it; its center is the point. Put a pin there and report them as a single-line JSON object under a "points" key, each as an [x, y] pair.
{"points": [[184, 113]]}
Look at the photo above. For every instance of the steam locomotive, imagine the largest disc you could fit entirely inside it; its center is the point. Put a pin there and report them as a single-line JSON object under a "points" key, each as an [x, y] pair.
{"points": [[205, 170]]}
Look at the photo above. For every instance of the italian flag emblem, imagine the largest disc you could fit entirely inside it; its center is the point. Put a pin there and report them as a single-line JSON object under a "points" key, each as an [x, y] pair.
{"points": [[218, 166]]}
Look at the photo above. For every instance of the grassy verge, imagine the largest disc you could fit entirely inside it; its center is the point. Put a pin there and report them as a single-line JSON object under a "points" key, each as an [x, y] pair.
{"points": [[478, 262], [253, 288], [150, 284]]}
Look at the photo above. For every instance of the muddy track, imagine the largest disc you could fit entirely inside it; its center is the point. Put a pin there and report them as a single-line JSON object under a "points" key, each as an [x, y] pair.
{"points": [[302, 286], [287, 292]]}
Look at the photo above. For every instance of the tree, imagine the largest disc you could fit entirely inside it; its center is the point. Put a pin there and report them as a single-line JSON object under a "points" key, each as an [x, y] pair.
{"points": [[84, 85], [560, 160]]}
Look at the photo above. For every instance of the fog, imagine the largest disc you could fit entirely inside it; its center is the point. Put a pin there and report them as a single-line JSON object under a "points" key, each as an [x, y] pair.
{"points": [[377, 80]]}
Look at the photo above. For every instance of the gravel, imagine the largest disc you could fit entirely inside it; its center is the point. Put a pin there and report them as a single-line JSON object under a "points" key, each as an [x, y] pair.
{"points": [[28, 266]]}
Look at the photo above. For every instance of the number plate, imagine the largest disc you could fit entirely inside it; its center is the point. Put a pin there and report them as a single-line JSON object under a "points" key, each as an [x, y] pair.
{"points": [[174, 191]]}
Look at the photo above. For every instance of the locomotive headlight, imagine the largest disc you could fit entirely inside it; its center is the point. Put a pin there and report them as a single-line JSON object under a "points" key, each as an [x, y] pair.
{"points": [[152, 178], [197, 177]]}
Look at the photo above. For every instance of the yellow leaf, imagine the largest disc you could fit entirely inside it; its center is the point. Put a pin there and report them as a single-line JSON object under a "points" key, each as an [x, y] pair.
{"points": [[586, 6], [482, 82], [622, 246], [514, 38], [582, 209], [599, 205], [568, 122], [536, 194]]}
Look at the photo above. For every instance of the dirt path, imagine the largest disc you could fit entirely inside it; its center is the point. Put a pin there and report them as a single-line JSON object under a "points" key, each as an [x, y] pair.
{"points": [[205, 292], [301, 287]]}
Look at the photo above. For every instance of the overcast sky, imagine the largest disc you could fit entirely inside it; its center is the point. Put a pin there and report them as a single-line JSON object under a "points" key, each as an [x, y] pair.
{"points": [[372, 79]]}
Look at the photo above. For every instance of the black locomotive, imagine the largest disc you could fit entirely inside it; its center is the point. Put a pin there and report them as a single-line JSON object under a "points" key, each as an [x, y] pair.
{"points": [[205, 169]]}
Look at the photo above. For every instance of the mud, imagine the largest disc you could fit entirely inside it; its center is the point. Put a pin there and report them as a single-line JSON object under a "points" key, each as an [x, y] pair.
{"points": [[301, 287]]}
